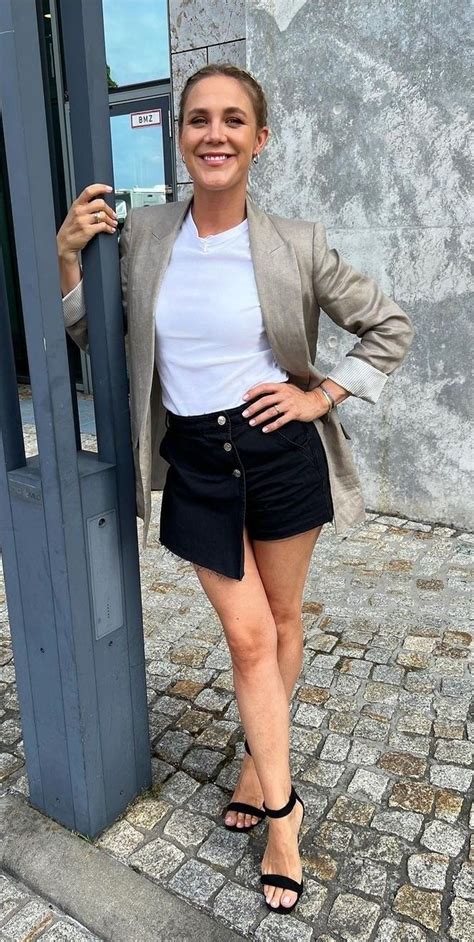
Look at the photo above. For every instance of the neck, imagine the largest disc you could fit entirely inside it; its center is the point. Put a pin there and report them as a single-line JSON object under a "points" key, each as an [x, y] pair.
{"points": [[216, 212]]}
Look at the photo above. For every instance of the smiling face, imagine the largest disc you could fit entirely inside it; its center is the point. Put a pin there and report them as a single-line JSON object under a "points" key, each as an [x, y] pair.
{"points": [[219, 135]]}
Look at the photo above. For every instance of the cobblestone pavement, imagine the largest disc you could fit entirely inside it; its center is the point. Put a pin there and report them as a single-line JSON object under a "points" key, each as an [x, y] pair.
{"points": [[381, 743], [25, 917]]}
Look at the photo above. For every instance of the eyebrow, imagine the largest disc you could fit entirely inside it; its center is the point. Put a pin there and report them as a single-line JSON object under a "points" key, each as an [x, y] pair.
{"points": [[226, 111]]}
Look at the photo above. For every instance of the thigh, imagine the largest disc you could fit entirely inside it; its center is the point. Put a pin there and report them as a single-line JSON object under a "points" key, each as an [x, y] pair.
{"points": [[242, 605], [283, 566]]}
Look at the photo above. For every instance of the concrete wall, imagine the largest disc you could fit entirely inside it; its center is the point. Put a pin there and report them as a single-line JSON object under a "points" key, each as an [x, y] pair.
{"points": [[369, 135], [203, 31]]}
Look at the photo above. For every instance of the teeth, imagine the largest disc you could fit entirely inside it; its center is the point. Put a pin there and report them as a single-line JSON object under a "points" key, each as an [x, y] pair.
{"points": [[213, 159]]}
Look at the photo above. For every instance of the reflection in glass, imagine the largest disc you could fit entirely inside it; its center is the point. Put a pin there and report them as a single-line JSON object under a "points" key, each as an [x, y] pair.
{"points": [[139, 171], [136, 41]]}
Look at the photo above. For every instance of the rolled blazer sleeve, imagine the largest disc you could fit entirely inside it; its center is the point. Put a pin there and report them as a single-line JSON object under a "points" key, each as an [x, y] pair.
{"points": [[74, 307], [355, 302]]}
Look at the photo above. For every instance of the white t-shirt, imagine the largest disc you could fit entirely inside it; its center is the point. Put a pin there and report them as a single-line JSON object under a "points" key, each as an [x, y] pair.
{"points": [[211, 344]]}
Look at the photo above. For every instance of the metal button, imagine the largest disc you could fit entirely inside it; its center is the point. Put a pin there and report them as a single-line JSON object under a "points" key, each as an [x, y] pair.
{"points": [[237, 473], [221, 420], [227, 446]]}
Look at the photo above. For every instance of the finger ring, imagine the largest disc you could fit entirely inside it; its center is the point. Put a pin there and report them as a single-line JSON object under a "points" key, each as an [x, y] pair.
{"points": [[276, 410], [97, 217]]}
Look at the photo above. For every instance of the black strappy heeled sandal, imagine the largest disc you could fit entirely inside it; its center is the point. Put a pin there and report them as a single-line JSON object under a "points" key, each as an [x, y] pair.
{"points": [[244, 809], [278, 879]]}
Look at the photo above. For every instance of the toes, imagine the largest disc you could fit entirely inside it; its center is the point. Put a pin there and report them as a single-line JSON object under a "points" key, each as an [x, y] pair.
{"points": [[288, 899], [240, 820], [230, 818], [255, 820]]}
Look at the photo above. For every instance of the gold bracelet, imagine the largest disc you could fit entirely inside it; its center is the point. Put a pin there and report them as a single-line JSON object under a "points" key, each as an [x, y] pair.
{"points": [[327, 397]]}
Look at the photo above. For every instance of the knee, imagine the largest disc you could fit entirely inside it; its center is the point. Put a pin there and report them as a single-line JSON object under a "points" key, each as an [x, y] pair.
{"points": [[288, 623], [250, 647]]}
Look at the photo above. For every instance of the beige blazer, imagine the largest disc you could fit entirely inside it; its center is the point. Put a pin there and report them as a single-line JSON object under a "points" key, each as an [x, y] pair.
{"points": [[296, 275]]}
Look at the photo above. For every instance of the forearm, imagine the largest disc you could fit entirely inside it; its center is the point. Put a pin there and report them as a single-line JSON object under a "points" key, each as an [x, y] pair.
{"points": [[338, 393], [69, 272]]}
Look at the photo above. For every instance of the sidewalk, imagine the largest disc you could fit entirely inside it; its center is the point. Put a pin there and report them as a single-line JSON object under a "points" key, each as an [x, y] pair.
{"points": [[381, 749]]}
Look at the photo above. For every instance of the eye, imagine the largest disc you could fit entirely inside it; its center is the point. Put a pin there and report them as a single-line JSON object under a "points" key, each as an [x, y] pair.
{"points": [[236, 120], [197, 120]]}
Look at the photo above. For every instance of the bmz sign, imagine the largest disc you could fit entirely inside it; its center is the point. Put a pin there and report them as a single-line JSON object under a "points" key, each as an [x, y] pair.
{"points": [[145, 119]]}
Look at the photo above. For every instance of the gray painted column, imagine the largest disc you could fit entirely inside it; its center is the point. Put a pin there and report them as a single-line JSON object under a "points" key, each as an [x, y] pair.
{"points": [[67, 518], [368, 112]]}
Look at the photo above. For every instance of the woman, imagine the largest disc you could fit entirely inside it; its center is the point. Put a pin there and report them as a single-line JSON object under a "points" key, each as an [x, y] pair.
{"points": [[223, 300]]}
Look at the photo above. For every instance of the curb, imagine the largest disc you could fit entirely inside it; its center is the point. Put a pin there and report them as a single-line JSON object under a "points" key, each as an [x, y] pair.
{"points": [[104, 895]]}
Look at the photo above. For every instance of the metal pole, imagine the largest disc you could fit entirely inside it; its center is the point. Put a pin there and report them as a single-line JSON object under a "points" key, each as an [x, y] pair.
{"points": [[68, 517]]}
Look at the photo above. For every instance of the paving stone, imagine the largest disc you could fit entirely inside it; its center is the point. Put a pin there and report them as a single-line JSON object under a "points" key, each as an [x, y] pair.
{"points": [[321, 866], [213, 700], [428, 871], [364, 754], [217, 734], [157, 859], [413, 660], [209, 799], [384, 847], [357, 668], [462, 921], [11, 896], [353, 917], [454, 751], [406, 824], [370, 784], [316, 695], [275, 928], [28, 922], [391, 931], [414, 723], [420, 905], [464, 882], [361, 874], [387, 674], [202, 763], [448, 805], [333, 836], [321, 641], [313, 899], [447, 730], [194, 721], [335, 748], [368, 728], [237, 906], [179, 788], [452, 708], [350, 811], [309, 715], [385, 693], [147, 812], [173, 745], [304, 740], [187, 829], [443, 838], [343, 723], [67, 932], [414, 796], [196, 882], [451, 776], [8, 765], [186, 688], [402, 764], [347, 685], [325, 774], [121, 839], [224, 848]]}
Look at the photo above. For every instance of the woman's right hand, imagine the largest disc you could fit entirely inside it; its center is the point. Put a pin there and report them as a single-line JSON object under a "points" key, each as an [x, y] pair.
{"points": [[78, 228], [80, 224]]}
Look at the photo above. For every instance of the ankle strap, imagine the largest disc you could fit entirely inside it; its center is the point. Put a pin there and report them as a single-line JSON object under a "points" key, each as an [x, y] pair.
{"points": [[282, 812]]}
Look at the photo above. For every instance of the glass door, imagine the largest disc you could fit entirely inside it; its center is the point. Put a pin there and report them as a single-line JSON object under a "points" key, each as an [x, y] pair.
{"points": [[141, 152]]}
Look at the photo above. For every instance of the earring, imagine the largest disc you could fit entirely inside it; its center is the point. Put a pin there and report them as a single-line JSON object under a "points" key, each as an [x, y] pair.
{"points": [[255, 158]]}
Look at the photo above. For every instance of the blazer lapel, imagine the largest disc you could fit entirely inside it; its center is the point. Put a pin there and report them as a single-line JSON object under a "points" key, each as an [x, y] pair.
{"points": [[279, 289]]}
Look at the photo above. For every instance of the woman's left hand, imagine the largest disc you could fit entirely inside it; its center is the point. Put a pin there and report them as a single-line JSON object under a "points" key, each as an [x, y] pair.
{"points": [[290, 402]]}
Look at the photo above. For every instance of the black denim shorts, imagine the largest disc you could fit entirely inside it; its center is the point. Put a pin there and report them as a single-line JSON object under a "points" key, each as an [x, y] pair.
{"points": [[225, 473]]}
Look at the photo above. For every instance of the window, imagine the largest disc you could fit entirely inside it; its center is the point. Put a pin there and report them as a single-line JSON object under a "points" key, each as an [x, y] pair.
{"points": [[136, 41]]}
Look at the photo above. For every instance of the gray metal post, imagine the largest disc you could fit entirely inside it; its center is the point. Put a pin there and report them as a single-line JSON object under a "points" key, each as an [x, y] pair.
{"points": [[67, 518]]}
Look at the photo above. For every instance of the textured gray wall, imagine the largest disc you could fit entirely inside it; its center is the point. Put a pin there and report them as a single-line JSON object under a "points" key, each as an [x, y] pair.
{"points": [[369, 135], [203, 31]]}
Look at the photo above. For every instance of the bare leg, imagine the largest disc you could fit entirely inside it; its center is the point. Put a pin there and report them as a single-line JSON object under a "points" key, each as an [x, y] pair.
{"points": [[251, 633]]}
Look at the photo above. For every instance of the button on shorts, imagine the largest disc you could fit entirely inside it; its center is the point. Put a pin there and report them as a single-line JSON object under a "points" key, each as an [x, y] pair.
{"points": [[225, 474]]}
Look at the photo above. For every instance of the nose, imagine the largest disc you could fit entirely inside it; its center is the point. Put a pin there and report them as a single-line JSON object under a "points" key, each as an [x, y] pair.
{"points": [[215, 132]]}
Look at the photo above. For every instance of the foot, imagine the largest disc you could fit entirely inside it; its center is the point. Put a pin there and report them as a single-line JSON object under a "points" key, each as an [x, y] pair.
{"points": [[282, 856], [248, 790]]}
